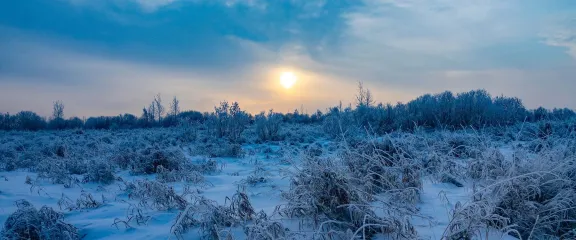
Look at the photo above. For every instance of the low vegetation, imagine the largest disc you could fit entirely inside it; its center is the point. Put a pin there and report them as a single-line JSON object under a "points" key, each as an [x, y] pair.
{"points": [[349, 173]]}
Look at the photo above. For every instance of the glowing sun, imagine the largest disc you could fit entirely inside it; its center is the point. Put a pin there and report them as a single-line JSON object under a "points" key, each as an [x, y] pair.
{"points": [[287, 79]]}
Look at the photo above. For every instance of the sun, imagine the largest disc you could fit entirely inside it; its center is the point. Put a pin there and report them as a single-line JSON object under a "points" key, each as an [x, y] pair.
{"points": [[288, 79]]}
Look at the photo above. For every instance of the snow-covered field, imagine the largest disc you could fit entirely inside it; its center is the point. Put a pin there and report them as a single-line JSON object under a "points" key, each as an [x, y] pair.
{"points": [[184, 183]]}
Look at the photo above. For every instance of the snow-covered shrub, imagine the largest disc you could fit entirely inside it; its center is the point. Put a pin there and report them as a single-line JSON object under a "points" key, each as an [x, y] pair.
{"points": [[294, 134], [340, 124], [321, 190], [314, 150], [29, 223], [164, 175], [257, 176], [241, 207], [530, 196], [265, 229], [76, 166], [471, 220], [186, 175], [99, 172], [491, 164], [218, 147], [206, 215], [155, 195], [18, 154], [8, 160], [211, 218], [55, 171], [150, 158], [190, 172], [463, 145], [227, 121], [188, 135], [385, 165], [85, 201], [133, 214], [268, 126], [124, 158], [205, 166]]}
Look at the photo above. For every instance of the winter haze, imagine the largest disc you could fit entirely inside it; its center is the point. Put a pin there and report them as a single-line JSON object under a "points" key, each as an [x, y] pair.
{"points": [[112, 56]]}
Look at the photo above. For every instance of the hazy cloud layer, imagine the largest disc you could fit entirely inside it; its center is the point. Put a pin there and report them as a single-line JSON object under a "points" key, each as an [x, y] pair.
{"points": [[109, 57]]}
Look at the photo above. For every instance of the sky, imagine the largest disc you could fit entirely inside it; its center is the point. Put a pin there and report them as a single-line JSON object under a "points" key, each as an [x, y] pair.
{"points": [[109, 57]]}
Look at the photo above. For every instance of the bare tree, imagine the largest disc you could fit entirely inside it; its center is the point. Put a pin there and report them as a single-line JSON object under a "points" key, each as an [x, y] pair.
{"points": [[152, 112], [364, 97], [175, 106], [159, 108], [58, 110]]}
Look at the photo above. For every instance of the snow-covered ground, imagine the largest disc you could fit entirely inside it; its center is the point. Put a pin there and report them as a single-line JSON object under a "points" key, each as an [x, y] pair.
{"points": [[98, 223], [271, 166]]}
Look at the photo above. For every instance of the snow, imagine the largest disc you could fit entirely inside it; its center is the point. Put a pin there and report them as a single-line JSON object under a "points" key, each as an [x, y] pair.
{"points": [[437, 200], [97, 223]]}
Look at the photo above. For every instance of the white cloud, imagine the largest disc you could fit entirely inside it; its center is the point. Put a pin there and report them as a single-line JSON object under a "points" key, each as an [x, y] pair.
{"points": [[145, 5], [438, 27], [93, 83], [562, 33], [153, 5], [150, 6]]}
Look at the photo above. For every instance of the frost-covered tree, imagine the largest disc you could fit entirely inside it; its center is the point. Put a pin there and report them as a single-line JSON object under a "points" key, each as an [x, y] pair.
{"points": [[28, 121], [228, 120], [540, 114], [57, 121], [159, 107], [58, 110], [507, 110], [5, 121], [364, 96], [268, 125], [175, 106]]}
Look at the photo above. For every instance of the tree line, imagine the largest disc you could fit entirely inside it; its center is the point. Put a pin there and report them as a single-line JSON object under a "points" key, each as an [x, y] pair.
{"points": [[475, 108]]}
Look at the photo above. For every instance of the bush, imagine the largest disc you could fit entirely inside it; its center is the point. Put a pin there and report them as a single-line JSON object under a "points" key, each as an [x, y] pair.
{"points": [[55, 170], [268, 126], [155, 195], [340, 123], [227, 121], [265, 229], [99, 172], [322, 191], [385, 165], [531, 195], [85, 201], [150, 158], [29, 223], [213, 147], [29, 121], [189, 176], [211, 217]]}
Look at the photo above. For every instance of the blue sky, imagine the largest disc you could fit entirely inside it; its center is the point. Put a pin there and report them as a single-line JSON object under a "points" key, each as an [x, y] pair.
{"points": [[112, 56]]}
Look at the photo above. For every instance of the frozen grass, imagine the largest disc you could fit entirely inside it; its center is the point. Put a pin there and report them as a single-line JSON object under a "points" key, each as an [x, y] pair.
{"points": [[29, 223], [331, 181]]}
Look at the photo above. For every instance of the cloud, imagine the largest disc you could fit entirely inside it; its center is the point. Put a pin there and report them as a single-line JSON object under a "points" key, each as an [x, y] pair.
{"points": [[151, 6], [562, 34], [94, 83], [119, 53], [145, 5], [434, 27]]}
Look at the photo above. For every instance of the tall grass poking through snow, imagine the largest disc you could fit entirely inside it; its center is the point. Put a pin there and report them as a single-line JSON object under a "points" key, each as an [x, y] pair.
{"points": [[530, 195], [326, 193], [211, 218], [44, 224]]}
